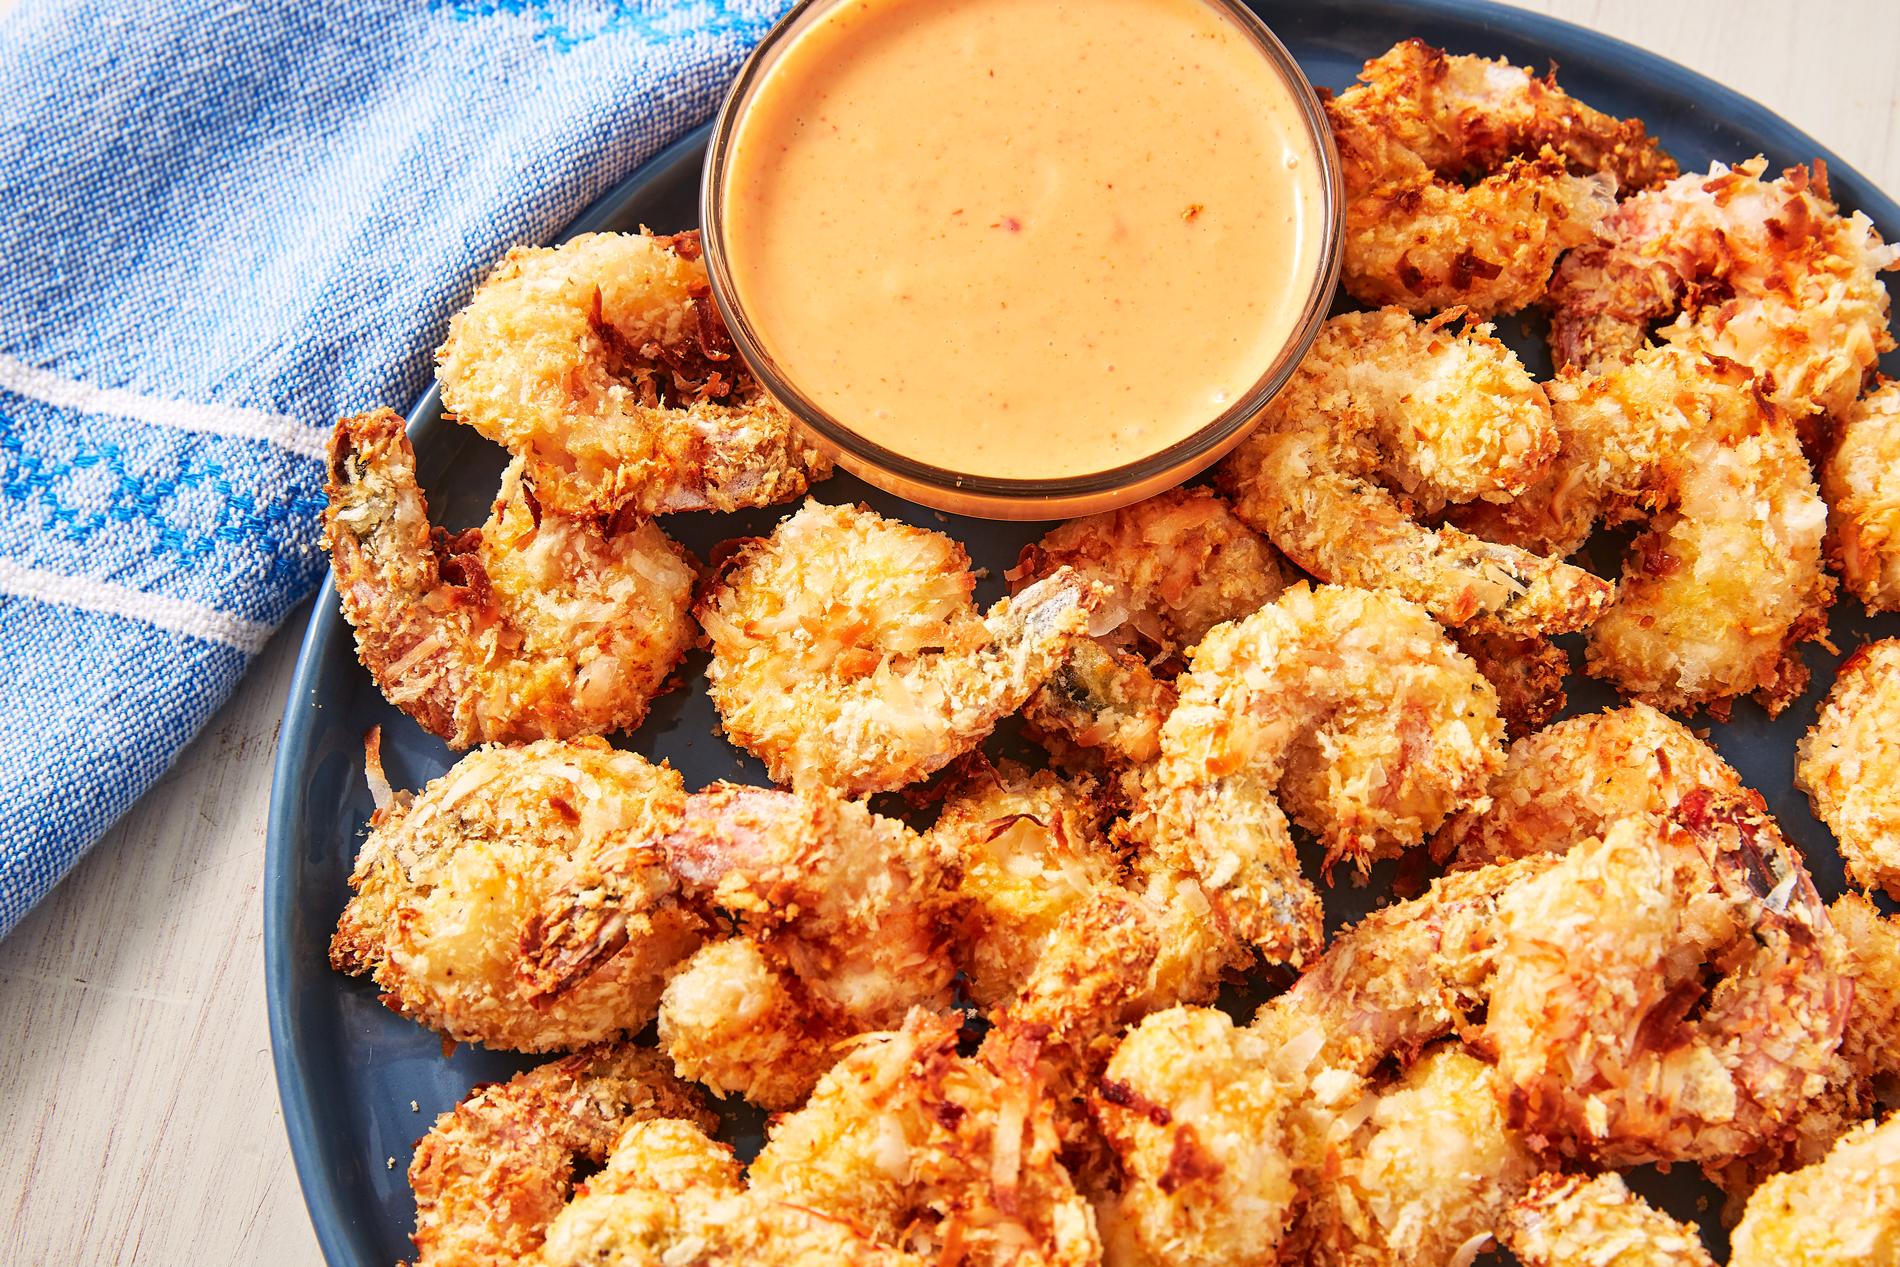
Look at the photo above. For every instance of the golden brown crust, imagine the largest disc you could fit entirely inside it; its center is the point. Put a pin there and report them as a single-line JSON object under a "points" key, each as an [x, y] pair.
{"points": [[1571, 1221], [1861, 481], [1849, 765], [604, 364], [532, 627], [496, 1169], [1843, 1209]]}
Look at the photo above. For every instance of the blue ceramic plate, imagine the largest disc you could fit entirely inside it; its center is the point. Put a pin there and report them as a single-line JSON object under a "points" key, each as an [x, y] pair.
{"points": [[348, 1070]]}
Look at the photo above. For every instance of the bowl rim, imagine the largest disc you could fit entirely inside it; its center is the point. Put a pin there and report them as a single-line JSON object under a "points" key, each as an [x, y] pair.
{"points": [[1014, 498]]}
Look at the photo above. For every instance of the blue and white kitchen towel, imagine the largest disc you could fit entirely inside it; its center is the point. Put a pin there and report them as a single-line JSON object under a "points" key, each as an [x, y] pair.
{"points": [[226, 224]]}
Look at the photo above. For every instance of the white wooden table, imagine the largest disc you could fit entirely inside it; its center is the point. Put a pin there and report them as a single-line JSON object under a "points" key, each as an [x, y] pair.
{"points": [[138, 1112]]}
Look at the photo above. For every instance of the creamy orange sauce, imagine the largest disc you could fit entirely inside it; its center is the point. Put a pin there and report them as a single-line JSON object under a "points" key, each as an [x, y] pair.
{"points": [[1023, 238]]}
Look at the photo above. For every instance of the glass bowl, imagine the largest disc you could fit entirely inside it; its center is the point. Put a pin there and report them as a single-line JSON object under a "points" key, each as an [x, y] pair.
{"points": [[1031, 492]]}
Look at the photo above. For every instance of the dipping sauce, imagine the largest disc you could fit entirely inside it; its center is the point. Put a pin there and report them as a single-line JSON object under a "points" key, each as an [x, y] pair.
{"points": [[1023, 239]]}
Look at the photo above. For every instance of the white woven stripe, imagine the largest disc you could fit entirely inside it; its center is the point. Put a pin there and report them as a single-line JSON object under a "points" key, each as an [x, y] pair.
{"points": [[180, 415], [175, 614]]}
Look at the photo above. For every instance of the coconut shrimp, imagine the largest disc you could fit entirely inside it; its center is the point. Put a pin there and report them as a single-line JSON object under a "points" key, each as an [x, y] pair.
{"points": [[1572, 780], [844, 916], [1446, 417], [1419, 125], [671, 1197], [1729, 579], [1571, 1221], [1861, 481], [846, 651], [1352, 708], [498, 1168], [1030, 848], [936, 1153], [1175, 566], [605, 366], [1594, 1011], [530, 627], [448, 886], [1849, 765], [1844, 1209], [1767, 273]]}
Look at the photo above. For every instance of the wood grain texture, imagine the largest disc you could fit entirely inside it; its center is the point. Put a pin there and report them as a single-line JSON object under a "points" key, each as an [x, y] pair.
{"points": [[138, 1112]]}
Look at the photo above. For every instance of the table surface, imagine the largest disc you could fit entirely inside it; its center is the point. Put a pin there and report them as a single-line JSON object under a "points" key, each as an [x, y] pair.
{"points": [[138, 1111]]}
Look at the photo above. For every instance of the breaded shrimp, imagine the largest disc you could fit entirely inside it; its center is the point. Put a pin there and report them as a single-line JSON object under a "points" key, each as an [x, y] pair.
{"points": [[1449, 418], [530, 627], [1572, 780], [845, 919], [1861, 481], [1176, 565], [1729, 579], [846, 652], [604, 364], [939, 1154], [1849, 765], [1419, 1172], [1030, 848], [447, 887], [671, 1197], [1594, 1010], [1353, 708], [1571, 1221], [496, 1170], [1767, 273], [1420, 125], [1844, 1209]]}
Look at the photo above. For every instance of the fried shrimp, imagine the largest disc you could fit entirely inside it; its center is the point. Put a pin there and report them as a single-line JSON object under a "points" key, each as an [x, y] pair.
{"points": [[1446, 417], [1030, 847], [447, 886], [1729, 578], [530, 627], [1849, 765], [1175, 566], [938, 1154], [605, 365], [1861, 481], [1353, 709], [1419, 125], [844, 920], [497, 1169], [1572, 780], [1766, 273], [671, 1197], [1571, 1221], [846, 651], [1598, 1014], [1844, 1209]]}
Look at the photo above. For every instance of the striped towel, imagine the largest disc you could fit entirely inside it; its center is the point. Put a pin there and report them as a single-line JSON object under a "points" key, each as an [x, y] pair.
{"points": [[224, 226]]}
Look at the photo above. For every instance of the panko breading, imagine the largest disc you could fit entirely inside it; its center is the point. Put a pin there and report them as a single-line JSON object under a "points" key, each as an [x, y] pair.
{"points": [[497, 1168], [1849, 765], [1449, 418], [447, 886], [1597, 1011], [1844, 1209], [1861, 481], [1571, 1221], [1767, 273], [1420, 231], [604, 364], [1572, 780], [846, 652], [531, 627], [1729, 579], [1354, 709]]}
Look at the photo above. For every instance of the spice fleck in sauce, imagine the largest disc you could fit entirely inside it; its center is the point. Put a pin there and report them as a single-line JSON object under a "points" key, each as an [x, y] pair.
{"points": [[1025, 239]]}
